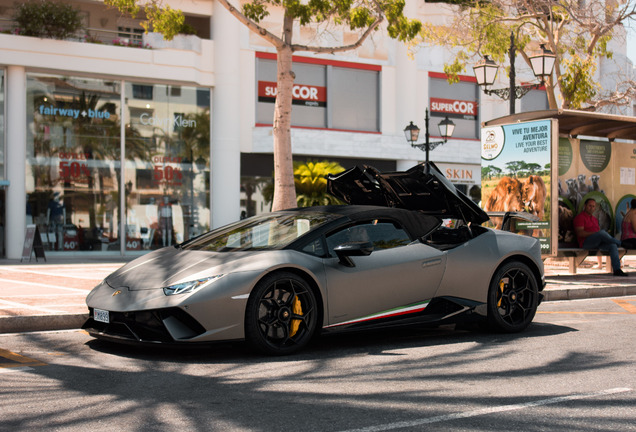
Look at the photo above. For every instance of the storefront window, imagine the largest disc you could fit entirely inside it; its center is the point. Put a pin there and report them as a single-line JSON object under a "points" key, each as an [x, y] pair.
{"points": [[167, 165], [72, 162], [330, 95], [458, 102]]}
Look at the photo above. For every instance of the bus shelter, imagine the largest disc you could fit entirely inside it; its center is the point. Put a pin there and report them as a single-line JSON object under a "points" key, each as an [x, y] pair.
{"points": [[548, 163]]}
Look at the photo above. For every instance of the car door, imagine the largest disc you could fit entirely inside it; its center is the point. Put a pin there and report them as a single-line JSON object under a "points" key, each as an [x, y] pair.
{"points": [[397, 275]]}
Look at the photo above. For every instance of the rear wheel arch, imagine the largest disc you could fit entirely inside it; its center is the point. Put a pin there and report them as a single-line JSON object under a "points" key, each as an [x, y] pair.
{"points": [[530, 263], [513, 296]]}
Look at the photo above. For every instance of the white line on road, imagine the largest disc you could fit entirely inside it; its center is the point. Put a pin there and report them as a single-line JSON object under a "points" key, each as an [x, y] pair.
{"points": [[24, 306], [16, 369], [43, 296], [484, 411], [11, 281], [88, 272]]}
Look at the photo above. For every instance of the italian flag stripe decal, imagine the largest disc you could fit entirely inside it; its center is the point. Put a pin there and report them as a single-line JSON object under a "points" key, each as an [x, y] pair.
{"points": [[405, 310]]}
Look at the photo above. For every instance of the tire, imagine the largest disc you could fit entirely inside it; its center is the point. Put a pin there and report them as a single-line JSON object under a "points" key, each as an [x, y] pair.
{"points": [[281, 314], [512, 298]]}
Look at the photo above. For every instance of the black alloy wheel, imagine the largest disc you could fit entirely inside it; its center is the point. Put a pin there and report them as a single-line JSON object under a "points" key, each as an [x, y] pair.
{"points": [[281, 314], [512, 298]]}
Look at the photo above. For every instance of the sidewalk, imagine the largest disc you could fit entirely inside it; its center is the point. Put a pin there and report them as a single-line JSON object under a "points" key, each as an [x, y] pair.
{"points": [[51, 295]]}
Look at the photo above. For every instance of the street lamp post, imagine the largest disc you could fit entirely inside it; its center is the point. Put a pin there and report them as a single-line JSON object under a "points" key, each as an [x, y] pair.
{"points": [[412, 133], [486, 72]]}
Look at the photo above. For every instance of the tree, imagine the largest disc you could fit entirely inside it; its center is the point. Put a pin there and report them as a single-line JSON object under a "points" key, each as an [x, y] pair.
{"points": [[514, 167], [532, 167], [490, 171], [578, 32], [361, 17]]}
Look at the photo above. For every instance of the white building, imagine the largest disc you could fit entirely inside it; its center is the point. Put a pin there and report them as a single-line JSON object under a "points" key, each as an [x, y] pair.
{"points": [[190, 122]]}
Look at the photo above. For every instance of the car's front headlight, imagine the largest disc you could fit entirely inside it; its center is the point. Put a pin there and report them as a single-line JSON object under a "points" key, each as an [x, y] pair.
{"points": [[190, 286]]}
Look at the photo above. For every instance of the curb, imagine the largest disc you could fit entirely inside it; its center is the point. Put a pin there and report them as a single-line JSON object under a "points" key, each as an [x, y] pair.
{"points": [[588, 292], [19, 324]]}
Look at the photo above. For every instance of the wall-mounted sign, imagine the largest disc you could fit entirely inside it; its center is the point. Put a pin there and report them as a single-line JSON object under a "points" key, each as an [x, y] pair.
{"points": [[461, 173], [454, 108], [307, 95], [52, 110]]}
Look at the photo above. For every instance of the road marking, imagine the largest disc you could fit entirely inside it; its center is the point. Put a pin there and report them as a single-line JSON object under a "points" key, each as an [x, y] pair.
{"points": [[25, 306], [582, 313], [65, 271], [57, 295], [630, 309], [79, 290], [627, 305], [486, 411], [16, 369], [10, 359]]}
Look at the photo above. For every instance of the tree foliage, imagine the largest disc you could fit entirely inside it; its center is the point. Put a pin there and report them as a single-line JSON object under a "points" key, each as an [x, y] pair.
{"points": [[159, 18], [578, 32], [45, 18], [358, 16]]}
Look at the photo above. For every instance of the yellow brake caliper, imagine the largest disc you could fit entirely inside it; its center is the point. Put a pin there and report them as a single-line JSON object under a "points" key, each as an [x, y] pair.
{"points": [[501, 289], [297, 309]]}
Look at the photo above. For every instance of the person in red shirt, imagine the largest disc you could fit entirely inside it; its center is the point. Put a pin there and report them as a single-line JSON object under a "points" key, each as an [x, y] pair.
{"points": [[628, 227], [590, 235]]}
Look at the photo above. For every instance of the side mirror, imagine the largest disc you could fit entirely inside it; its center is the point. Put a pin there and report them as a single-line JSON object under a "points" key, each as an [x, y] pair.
{"points": [[349, 249]]}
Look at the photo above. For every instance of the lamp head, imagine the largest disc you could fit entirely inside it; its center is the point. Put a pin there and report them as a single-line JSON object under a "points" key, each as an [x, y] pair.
{"points": [[412, 132], [485, 72]]}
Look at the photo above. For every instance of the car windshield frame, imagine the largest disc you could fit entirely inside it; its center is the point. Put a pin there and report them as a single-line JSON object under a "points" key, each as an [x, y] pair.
{"points": [[269, 231]]}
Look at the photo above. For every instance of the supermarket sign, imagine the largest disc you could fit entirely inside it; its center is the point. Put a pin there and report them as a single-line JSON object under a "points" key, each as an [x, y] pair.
{"points": [[303, 94], [454, 108]]}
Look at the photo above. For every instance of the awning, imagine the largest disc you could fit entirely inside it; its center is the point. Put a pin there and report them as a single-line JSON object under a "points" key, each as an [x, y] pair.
{"points": [[574, 123]]}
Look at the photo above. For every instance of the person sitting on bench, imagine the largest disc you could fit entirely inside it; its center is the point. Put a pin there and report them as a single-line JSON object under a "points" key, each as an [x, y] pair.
{"points": [[628, 227], [590, 235]]}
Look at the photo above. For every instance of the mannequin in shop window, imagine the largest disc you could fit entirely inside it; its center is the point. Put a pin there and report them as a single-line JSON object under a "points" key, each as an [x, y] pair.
{"points": [[165, 221], [56, 216]]}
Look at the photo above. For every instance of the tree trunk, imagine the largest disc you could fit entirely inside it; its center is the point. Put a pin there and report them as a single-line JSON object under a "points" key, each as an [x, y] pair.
{"points": [[284, 191]]}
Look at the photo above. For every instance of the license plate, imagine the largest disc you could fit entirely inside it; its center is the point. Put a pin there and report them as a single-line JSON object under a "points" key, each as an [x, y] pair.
{"points": [[101, 315]]}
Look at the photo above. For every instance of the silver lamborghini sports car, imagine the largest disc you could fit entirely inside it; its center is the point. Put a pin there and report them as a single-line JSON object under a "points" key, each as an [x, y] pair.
{"points": [[409, 248]]}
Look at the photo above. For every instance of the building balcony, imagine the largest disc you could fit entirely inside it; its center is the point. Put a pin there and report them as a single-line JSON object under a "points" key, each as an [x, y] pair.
{"points": [[188, 61]]}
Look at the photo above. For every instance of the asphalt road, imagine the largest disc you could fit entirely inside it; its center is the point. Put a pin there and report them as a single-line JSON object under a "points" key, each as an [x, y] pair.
{"points": [[574, 369]]}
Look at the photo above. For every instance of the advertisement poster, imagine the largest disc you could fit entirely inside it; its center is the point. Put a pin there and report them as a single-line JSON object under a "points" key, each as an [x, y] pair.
{"points": [[595, 169], [516, 176]]}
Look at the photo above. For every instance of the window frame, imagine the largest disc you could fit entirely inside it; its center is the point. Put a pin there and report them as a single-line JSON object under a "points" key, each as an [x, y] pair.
{"points": [[369, 222]]}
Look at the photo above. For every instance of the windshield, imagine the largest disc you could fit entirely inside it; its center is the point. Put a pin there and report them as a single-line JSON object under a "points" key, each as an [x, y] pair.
{"points": [[264, 232]]}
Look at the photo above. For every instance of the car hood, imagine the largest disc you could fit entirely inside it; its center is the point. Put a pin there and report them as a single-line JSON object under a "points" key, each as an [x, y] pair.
{"points": [[422, 188], [171, 265]]}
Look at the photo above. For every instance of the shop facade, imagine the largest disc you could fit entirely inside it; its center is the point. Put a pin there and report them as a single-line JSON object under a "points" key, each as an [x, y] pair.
{"points": [[109, 149], [75, 151]]}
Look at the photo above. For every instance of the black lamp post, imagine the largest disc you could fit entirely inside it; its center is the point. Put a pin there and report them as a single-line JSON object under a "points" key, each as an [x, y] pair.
{"points": [[486, 72], [412, 133]]}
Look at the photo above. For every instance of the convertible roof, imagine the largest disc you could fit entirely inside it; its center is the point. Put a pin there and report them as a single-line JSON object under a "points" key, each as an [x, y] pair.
{"points": [[423, 188], [417, 223]]}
